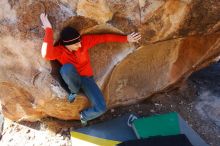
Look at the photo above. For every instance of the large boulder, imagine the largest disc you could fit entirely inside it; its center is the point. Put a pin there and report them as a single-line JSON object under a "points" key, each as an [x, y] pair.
{"points": [[178, 38]]}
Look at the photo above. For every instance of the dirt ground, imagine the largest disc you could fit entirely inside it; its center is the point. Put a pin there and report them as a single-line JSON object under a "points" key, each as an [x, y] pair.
{"points": [[197, 101]]}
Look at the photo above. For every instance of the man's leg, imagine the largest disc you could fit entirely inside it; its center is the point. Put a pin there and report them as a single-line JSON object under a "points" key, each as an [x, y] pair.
{"points": [[96, 98], [72, 79]]}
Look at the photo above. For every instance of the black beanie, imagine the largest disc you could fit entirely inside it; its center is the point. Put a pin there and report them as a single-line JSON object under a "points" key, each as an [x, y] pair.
{"points": [[69, 36]]}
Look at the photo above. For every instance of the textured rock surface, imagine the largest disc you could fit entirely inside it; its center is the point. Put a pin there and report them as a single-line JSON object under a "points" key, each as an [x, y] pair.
{"points": [[178, 37], [138, 76]]}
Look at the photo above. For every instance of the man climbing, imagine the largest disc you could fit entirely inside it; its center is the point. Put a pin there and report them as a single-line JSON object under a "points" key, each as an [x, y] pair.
{"points": [[71, 51]]}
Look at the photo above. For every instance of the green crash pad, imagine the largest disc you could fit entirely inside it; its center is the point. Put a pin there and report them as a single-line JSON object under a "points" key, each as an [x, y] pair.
{"points": [[158, 125]]}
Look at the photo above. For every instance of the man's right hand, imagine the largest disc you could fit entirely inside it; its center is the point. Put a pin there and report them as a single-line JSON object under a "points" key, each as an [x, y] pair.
{"points": [[45, 22]]}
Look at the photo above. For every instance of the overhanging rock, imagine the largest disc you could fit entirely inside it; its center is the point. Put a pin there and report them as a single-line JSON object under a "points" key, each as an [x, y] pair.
{"points": [[178, 37]]}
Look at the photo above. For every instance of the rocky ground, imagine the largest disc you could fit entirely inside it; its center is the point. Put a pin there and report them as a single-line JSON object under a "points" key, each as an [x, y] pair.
{"points": [[197, 101]]}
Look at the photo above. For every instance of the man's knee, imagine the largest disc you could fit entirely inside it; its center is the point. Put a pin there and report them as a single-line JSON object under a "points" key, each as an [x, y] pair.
{"points": [[67, 69]]}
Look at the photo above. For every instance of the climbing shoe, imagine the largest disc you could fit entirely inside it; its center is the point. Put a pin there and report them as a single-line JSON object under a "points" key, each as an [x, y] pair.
{"points": [[83, 121], [71, 97]]}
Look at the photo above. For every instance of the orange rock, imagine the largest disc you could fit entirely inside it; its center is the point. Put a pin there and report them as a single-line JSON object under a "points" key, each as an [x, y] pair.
{"points": [[178, 38]]}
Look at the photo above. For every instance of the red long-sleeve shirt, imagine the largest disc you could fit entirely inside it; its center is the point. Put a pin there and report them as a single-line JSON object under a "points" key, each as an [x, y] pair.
{"points": [[80, 58]]}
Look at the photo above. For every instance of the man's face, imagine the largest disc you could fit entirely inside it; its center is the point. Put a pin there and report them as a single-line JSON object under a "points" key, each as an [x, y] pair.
{"points": [[74, 47]]}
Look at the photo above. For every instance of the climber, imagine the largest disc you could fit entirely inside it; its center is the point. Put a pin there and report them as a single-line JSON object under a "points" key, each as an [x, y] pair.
{"points": [[72, 52]]}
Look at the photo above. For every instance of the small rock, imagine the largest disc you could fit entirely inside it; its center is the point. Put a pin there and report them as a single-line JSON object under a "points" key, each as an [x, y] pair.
{"points": [[17, 129], [157, 104], [152, 111], [112, 110]]}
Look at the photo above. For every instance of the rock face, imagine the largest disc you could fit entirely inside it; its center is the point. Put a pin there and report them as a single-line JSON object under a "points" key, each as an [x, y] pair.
{"points": [[178, 37]]}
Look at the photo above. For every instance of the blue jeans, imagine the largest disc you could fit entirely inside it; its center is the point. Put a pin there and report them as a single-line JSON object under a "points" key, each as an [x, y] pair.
{"points": [[89, 87]]}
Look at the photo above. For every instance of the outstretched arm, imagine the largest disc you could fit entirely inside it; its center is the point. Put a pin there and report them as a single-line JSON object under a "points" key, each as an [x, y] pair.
{"points": [[92, 40], [48, 51]]}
